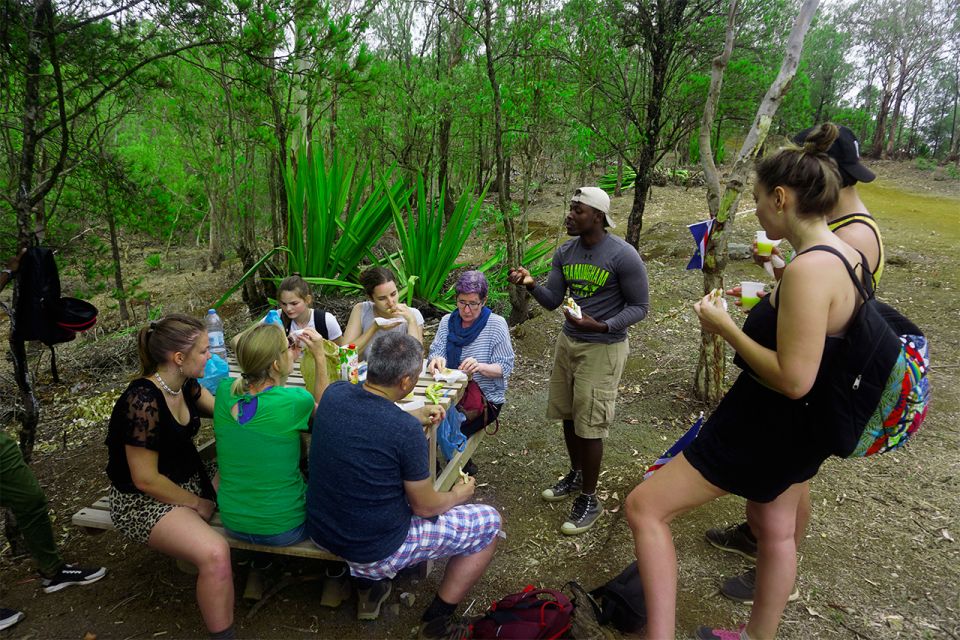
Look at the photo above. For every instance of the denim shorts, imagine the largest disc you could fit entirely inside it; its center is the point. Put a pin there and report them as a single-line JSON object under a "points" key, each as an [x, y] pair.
{"points": [[293, 536]]}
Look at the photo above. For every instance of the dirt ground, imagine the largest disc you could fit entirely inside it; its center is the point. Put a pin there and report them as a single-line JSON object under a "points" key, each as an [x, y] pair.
{"points": [[880, 560]]}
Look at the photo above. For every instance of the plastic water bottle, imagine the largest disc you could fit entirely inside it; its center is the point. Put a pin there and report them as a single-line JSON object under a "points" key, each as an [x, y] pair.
{"points": [[218, 346]]}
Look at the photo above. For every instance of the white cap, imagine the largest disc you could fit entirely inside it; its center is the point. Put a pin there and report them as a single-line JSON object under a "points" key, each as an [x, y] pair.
{"points": [[594, 197]]}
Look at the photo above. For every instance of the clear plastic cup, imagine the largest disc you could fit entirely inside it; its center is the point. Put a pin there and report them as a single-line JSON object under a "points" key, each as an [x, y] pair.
{"points": [[750, 294], [764, 244]]}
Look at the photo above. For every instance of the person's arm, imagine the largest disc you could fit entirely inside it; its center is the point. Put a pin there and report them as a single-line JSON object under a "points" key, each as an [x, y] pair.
{"points": [[13, 265], [551, 294], [354, 333], [426, 502], [333, 328], [314, 342], [803, 314], [414, 321], [634, 288], [205, 403], [501, 357], [437, 356], [148, 479]]}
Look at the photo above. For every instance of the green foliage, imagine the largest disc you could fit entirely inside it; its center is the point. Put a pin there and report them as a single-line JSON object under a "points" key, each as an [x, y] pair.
{"points": [[429, 250], [609, 180], [154, 261], [925, 164], [335, 216], [536, 259]]}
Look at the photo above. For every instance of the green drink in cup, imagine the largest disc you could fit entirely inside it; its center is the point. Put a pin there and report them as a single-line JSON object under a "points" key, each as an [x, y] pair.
{"points": [[750, 294], [764, 244]]}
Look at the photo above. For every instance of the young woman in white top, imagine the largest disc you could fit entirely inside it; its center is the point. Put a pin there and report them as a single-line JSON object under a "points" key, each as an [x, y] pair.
{"points": [[382, 312], [296, 303]]}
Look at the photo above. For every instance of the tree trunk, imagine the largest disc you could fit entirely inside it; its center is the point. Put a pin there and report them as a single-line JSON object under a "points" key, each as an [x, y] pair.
{"points": [[117, 270], [708, 380]]}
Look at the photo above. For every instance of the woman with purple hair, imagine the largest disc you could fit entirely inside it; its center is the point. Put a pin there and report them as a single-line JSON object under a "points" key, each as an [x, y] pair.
{"points": [[476, 341]]}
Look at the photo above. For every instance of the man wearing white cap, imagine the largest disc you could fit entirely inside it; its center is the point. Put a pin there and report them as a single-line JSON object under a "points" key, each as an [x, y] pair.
{"points": [[607, 282]]}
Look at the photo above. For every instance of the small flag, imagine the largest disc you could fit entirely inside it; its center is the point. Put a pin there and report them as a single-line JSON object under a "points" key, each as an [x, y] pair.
{"points": [[677, 447], [701, 235]]}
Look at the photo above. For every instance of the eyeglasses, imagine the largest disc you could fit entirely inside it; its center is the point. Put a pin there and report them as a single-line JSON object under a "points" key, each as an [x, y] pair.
{"points": [[473, 305]]}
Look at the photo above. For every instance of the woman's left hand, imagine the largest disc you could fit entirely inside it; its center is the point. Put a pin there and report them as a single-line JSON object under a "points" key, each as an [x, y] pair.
{"points": [[470, 365], [712, 313]]}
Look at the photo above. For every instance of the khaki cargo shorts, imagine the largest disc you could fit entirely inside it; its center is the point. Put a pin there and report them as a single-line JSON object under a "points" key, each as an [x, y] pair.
{"points": [[583, 385]]}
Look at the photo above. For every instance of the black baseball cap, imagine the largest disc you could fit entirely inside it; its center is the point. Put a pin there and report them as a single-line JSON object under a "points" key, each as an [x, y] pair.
{"points": [[845, 151]]}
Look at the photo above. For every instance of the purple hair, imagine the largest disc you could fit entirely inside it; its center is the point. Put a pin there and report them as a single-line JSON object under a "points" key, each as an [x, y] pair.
{"points": [[472, 282]]}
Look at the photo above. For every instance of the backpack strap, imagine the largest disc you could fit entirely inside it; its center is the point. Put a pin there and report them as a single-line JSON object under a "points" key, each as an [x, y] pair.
{"points": [[864, 285], [320, 322]]}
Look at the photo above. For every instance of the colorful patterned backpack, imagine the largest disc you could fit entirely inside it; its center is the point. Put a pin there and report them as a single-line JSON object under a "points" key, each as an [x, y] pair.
{"points": [[876, 391]]}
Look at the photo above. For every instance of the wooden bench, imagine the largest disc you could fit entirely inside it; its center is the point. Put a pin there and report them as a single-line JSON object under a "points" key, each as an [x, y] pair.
{"points": [[96, 519]]}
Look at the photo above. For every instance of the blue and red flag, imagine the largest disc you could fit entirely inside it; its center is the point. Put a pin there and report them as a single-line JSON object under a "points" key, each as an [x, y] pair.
{"points": [[701, 235], [676, 448]]}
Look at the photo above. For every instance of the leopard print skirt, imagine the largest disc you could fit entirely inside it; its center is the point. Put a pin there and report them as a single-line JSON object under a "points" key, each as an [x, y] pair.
{"points": [[135, 515]]}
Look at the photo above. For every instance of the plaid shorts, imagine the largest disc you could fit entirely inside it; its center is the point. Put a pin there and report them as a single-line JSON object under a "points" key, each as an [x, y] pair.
{"points": [[463, 530]]}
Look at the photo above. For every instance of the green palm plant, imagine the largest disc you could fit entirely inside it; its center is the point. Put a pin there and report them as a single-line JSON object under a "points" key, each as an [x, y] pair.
{"points": [[428, 249], [335, 216]]}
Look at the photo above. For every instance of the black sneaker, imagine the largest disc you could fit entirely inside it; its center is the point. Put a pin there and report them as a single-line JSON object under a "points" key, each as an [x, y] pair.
{"points": [[370, 600], [742, 587], [9, 617], [736, 538], [586, 509], [451, 628], [70, 575], [568, 484]]}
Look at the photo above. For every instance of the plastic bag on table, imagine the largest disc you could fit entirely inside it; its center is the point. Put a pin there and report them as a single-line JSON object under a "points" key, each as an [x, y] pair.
{"points": [[449, 436]]}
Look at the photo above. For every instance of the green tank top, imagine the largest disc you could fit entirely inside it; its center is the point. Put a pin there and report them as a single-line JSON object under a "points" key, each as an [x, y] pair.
{"points": [[866, 219]]}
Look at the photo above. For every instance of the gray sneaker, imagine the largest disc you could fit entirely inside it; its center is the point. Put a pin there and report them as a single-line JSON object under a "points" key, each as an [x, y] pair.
{"points": [[567, 485], [370, 600], [736, 538], [586, 509], [742, 587]]}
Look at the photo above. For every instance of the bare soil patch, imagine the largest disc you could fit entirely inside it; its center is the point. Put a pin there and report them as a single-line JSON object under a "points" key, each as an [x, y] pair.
{"points": [[881, 558]]}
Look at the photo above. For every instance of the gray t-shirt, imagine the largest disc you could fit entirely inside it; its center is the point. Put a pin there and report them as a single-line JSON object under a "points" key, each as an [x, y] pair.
{"points": [[367, 318], [607, 280]]}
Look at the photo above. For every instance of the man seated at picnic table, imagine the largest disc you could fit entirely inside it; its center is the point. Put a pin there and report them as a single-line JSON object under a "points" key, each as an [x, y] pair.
{"points": [[370, 497]]}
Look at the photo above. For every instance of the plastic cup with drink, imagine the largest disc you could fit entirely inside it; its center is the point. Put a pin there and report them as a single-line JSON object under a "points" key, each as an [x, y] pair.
{"points": [[750, 294], [764, 244]]}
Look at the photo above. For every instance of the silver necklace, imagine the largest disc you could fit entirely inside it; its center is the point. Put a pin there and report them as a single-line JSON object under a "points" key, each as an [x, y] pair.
{"points": [[164, 386]]}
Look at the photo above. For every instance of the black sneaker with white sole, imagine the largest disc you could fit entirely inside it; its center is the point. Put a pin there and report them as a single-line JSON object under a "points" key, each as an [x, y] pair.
{"points": [[567, 485], [583, 515], [69, 575], [9, 617]]}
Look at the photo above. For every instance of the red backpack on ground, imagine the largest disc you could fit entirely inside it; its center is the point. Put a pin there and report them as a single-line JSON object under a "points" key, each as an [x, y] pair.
{"points": [[532, 613]]}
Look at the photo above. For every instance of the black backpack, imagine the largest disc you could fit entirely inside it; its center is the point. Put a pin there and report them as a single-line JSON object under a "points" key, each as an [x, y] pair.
{"points": [[621, 601], [41, 313]]}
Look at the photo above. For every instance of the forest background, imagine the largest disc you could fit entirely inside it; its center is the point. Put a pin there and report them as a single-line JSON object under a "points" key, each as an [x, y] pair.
{"points": [[177, 153]]}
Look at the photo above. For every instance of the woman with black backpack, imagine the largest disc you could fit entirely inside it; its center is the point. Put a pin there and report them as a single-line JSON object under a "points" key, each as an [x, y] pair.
{"points": [[761, 441]]}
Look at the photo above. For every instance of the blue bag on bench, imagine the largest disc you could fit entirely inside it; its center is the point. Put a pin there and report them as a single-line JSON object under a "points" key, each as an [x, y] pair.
{"points": [[449, 436]]}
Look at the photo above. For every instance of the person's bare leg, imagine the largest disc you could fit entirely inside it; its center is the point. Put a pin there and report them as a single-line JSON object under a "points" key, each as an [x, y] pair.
{"points": [[775, 527], [674, 489], [184, 535], [462, 573], [803, 515]]}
